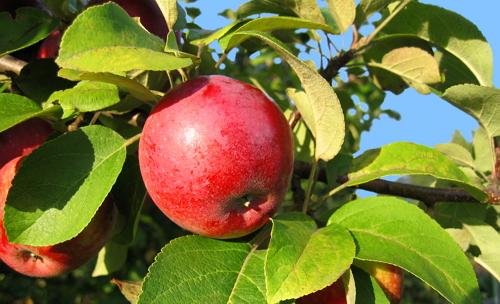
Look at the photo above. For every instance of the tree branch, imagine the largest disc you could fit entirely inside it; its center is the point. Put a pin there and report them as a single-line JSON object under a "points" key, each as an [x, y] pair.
{"points": [[429, 196], [11, 64]]}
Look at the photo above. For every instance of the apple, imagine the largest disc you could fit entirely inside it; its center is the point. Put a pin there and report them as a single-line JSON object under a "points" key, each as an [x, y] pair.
{"points": [[148, 11], [216, 156], [50, 46], [333, 294], [45, 261], [389, 277]]}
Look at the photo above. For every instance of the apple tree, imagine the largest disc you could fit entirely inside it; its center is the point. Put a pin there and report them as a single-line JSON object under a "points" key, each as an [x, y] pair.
{"points": [[110, 111]]}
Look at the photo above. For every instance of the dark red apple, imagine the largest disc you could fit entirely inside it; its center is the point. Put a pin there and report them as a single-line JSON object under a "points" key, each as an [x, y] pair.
{"points": [[50, 46], [147, 10], [53, 260], [333, 294], [216, 156]]}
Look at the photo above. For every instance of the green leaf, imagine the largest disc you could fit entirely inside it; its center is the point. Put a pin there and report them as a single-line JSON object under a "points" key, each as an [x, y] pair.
{"points": [[367, 288], [218, 272], [38, 79], [131, 86], [488, 240], [448, 31], [169, 11], [482, 103], [111, 258], [15, 109], [328, 115], [403, 158], [86, 96], [306, 9], [484, 154], [268, 24], [60, 186], [414, 65], [343, 12], [368, 7], [214, 35], [301, 259], [458, 153], [453, 71], [30, 26], [391, 230], [105, 39]]}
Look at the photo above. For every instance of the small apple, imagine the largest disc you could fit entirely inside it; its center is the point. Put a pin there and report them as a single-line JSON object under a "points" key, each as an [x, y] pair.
{"points": [[148, 12], [50, 46], [45, 261], [216, 156], [389, 277]]}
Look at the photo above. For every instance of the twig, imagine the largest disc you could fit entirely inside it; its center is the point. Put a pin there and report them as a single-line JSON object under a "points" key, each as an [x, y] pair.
{"points": [[221, 60], [11, 64], [386, 21], [294, 119], [313, 175], [76, 123], [429, 196]]}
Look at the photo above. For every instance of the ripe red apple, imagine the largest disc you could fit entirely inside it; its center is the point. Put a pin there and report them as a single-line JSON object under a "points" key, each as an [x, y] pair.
{"points": [[389, 277], [50, 46], [216, 156], [147, 10], [46, 261]]}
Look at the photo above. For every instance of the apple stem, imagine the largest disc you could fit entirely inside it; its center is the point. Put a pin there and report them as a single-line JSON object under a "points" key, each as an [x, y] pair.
{"points": [[310, 185], [132, 140]]}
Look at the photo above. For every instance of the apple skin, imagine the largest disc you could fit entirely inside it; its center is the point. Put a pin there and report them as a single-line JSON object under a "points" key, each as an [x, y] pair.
{"points": [[23, 138], [216, 157], [389, 277], [148, 12], [50, 46], [47, 261], [333, 294]]}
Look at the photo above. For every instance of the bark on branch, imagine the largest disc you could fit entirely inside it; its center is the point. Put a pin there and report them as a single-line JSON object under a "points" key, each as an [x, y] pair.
{"points": [[429, 196], [11, 64]]}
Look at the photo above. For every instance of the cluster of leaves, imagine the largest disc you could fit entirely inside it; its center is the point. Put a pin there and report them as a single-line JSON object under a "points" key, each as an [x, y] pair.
{"points": [[110, 72]]}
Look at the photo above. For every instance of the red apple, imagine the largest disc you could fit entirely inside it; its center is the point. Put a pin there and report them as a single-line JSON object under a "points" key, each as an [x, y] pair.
{"points": [[389, 277], [216, 156], [46, 261], [147, 10], [50, 46], [333, 294]]}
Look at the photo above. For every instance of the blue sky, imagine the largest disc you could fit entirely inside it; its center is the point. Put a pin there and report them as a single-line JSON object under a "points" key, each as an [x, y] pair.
{"points": [[426, 119]]}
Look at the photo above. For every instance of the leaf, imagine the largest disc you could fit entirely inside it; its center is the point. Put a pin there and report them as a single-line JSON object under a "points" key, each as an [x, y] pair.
{"points": [[111, 258], [301, 259], [15, 109], [131, 86], [484, 155], [105, 39], [130, 289], [403, 158], [217, 34], [448, 31], [169, 11], [218, 272], [268, 24], [488, 241], [391, 230], [30, 26], [458, 153], [417, 67], [304, 106], [86, 96], [367, 7], [306, 9], [482, 103], [343, 12], [60, 186], [328, 115], [453, 71], [367, 288], [38, 79]]}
